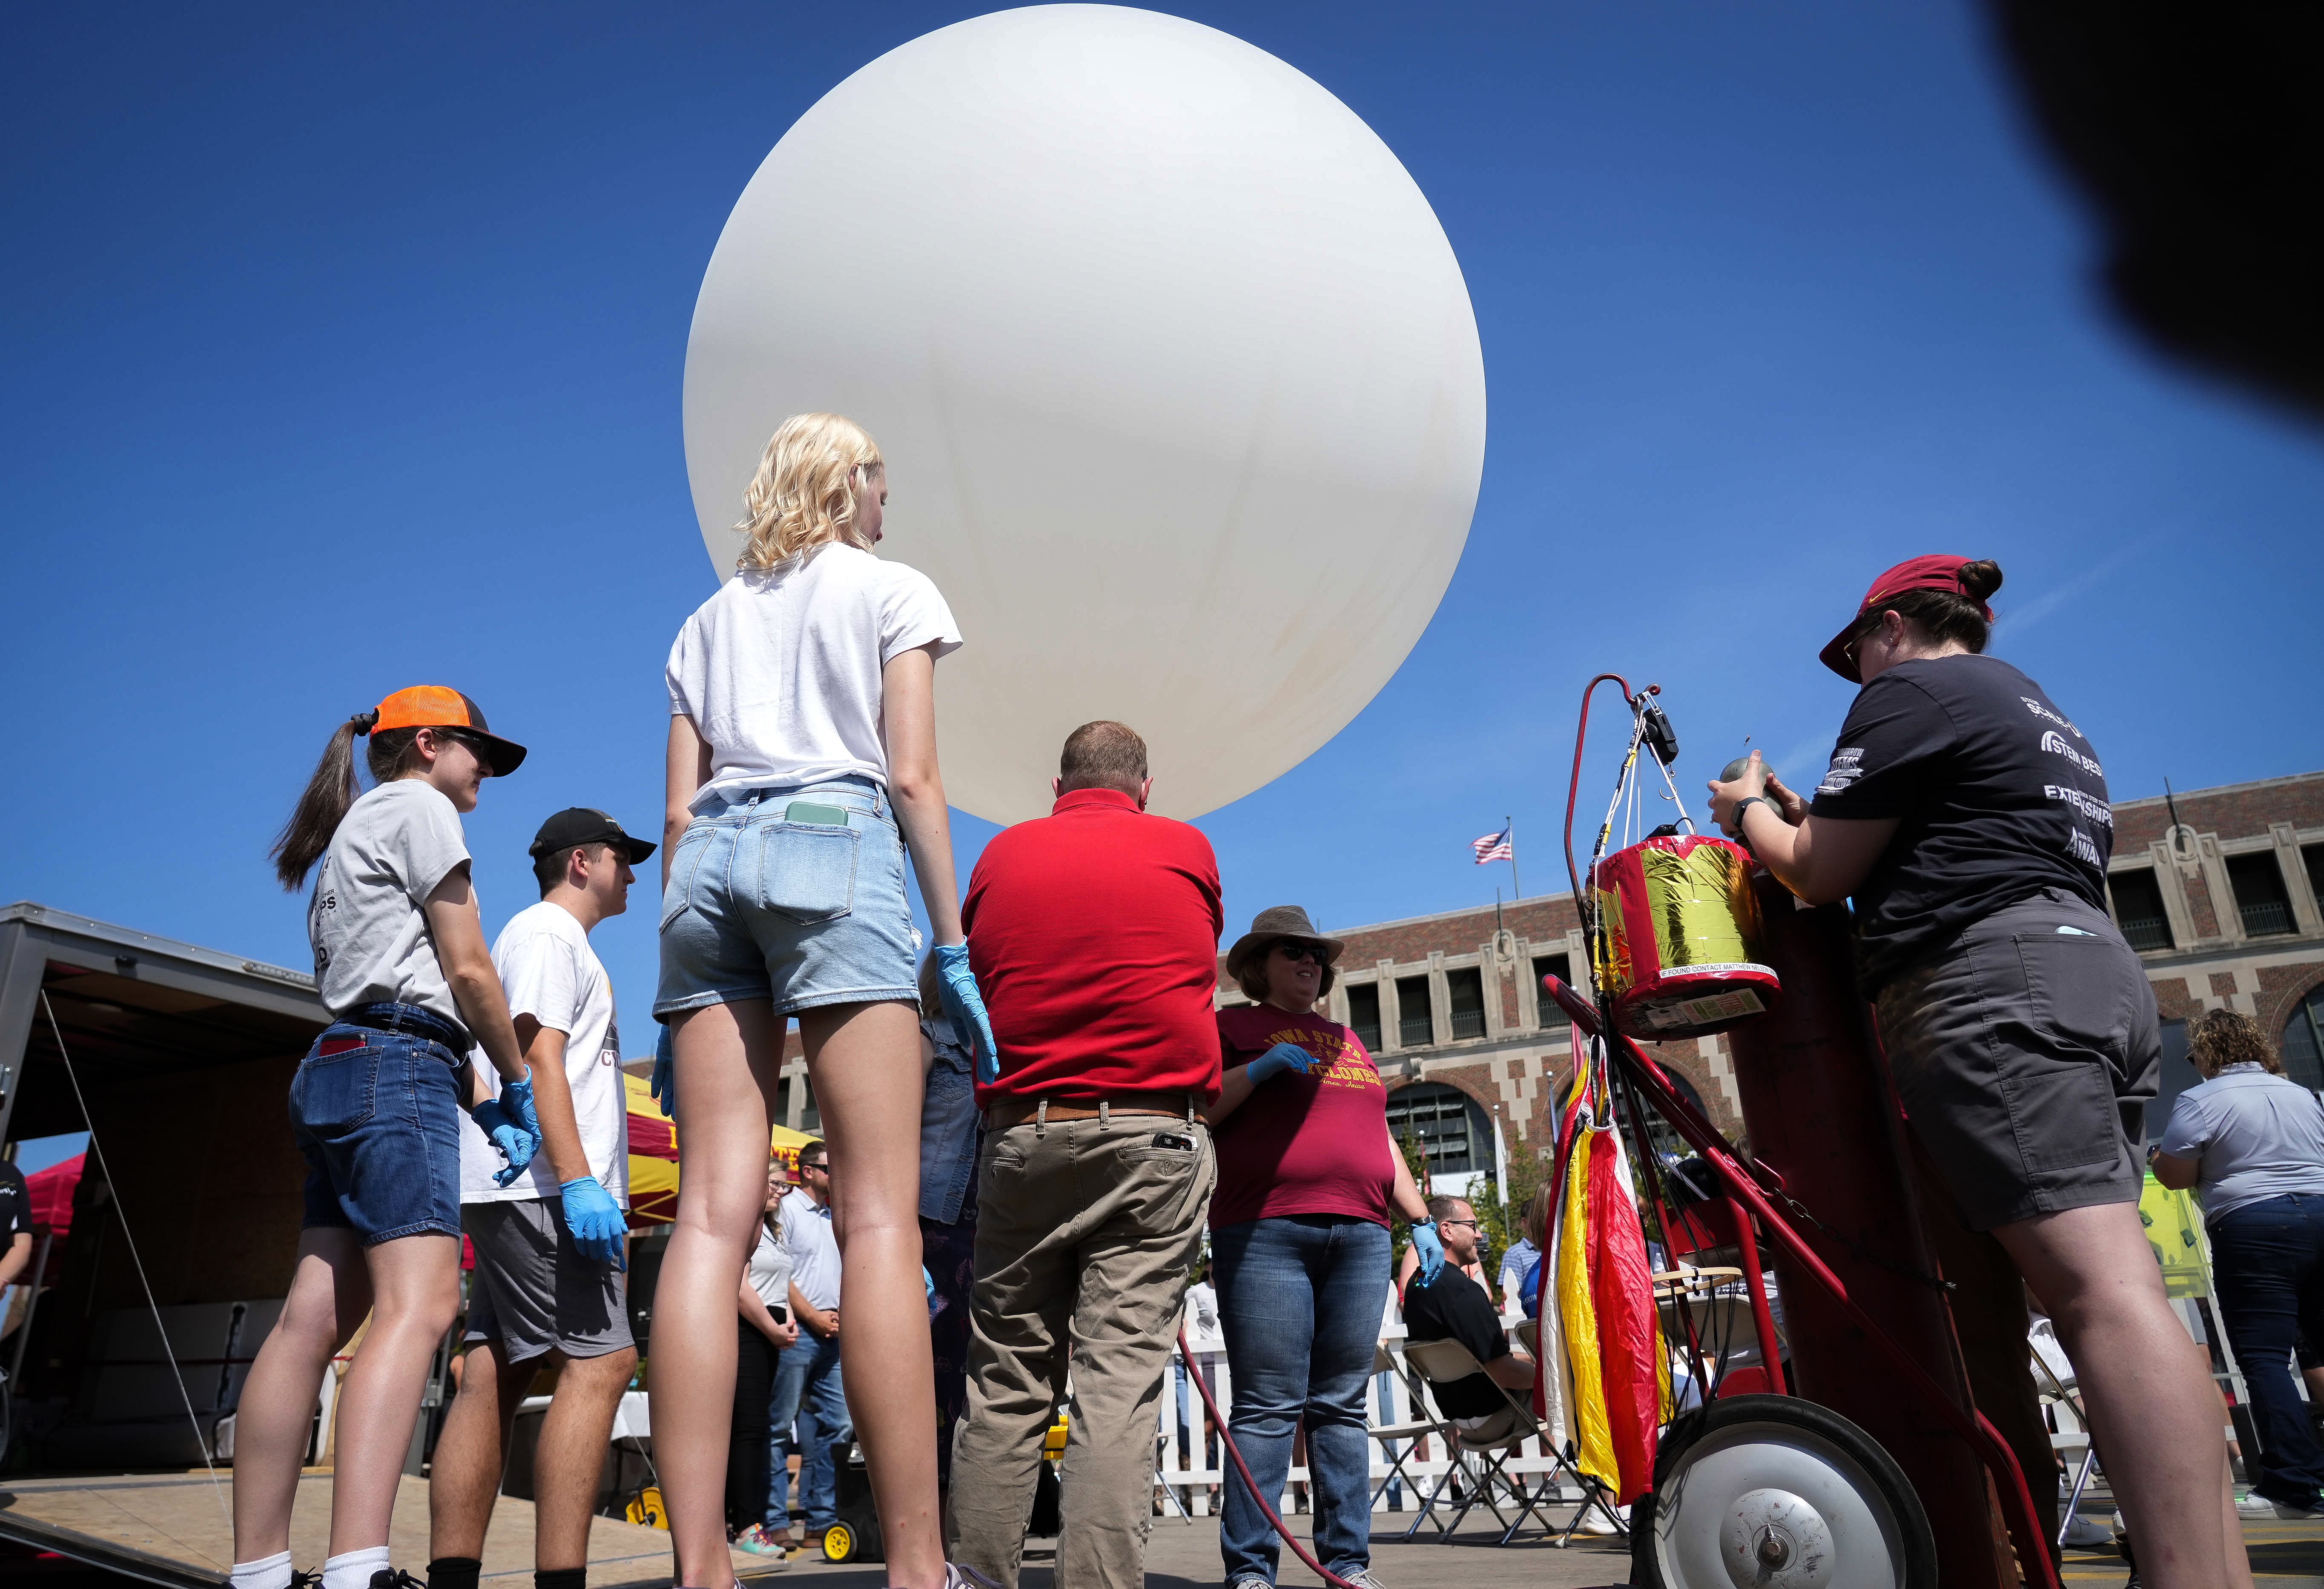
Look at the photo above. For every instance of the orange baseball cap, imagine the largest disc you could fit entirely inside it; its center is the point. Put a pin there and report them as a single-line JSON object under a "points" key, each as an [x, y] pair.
{"points": [[433, 706]]}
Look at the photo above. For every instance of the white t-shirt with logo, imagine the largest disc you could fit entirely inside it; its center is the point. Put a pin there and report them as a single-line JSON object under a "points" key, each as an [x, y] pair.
{"points": [[365, 920], [779, 671], [548, 972]]}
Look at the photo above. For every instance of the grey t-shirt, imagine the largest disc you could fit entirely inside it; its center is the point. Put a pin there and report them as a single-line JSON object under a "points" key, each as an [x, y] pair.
{"points": [[365, 920], [2259, 1136]]}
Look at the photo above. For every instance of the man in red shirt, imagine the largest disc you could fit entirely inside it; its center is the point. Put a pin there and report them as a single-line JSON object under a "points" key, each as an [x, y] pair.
{"points": [[1094, 933]]}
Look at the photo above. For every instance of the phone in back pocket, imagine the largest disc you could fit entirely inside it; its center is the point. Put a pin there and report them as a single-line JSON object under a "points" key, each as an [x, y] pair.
{"points": [[821, 816]]}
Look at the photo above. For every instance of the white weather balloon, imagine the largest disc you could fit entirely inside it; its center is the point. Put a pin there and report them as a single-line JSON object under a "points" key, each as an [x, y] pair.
{"points": [[1173, 367]]}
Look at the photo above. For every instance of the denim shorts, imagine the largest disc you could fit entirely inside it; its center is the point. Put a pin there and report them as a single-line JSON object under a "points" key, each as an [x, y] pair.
{"points": [[801, 914], [377, 1115]]}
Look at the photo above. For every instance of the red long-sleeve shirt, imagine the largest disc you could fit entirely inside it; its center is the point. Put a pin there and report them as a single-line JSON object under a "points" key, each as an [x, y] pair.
{"points": [[1094, 933]]}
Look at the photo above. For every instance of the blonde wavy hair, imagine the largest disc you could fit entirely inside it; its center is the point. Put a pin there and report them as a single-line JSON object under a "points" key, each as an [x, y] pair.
{"points": [[805, 493]]}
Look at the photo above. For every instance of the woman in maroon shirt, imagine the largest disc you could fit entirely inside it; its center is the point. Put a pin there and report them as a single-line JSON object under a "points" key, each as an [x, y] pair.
{"points": [[1299, 1238]]}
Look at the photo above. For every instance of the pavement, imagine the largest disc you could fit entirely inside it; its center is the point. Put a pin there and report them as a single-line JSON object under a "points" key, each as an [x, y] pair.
{"points": [[1186, 1556]]}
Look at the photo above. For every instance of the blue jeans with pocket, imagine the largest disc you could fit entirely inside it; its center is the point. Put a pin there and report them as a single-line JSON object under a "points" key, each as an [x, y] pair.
{"points": [[1300, 1299], [2269, 1260], [806, 1413], [376, 1113], [799, 913]]}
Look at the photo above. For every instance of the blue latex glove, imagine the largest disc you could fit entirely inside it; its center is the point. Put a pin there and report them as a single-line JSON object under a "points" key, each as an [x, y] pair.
{"points": [[964, 1006], [1279, 1059], [595, 1220], [1430, 1251], [928, 1284], [664, 1084], [518, 1134]]}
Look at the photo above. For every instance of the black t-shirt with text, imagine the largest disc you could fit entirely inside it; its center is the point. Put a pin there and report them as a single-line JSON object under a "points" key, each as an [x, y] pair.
{"points": [[1999, 796], [1456, 1308], [15, 1205]]}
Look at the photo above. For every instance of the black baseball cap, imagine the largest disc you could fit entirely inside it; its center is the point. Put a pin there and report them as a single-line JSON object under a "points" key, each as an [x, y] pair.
{"points": [[586, 825]]}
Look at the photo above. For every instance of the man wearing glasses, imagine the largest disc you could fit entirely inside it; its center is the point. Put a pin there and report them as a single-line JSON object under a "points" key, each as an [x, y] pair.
{"points": [[807, 1390], [1454, 1307]]}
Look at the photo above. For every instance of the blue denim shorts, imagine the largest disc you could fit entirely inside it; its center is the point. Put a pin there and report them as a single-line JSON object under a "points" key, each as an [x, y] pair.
{"points": [[801, 914], [377, 1115]]}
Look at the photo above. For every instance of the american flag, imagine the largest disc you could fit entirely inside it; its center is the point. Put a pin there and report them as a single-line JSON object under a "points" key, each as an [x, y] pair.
{"points": [[1494, 846]]}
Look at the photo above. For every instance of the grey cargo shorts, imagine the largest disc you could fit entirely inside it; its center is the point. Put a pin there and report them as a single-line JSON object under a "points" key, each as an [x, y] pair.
{"points": [[2025, 1054]]}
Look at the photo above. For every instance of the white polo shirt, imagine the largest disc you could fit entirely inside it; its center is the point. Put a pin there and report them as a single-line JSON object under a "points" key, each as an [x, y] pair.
{"points": [[814, 1249]]}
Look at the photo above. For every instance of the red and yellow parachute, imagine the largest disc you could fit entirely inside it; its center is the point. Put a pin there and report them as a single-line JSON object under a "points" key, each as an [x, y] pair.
{"points": [[1615, 1378]]}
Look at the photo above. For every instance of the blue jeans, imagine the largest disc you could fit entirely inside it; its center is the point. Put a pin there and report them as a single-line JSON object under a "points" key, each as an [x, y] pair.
{"points": [[1300, 1299], [375, 1110], [2269, 1258], [807, 1393]]}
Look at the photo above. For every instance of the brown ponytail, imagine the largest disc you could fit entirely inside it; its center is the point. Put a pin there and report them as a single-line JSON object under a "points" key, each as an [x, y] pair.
{"points": [[1945, 615], [324, 803]]}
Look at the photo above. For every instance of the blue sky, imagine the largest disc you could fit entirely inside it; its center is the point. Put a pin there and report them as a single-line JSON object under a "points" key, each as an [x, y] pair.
{"points": [[343, 351]]}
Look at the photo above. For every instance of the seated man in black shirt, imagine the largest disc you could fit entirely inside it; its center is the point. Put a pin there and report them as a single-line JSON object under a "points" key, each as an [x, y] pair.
{"points": [[1455, 1308]]}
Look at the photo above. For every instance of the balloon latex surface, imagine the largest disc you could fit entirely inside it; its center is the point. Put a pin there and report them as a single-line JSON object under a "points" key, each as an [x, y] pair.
{"points": [[1174, 369]]}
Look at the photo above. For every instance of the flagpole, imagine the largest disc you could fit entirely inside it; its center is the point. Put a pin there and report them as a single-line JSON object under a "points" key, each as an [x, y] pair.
{"points": [[1516, 889]]}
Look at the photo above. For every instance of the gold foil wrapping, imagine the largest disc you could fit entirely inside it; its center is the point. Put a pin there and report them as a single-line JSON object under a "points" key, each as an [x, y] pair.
{"points": [[1702, 906]]}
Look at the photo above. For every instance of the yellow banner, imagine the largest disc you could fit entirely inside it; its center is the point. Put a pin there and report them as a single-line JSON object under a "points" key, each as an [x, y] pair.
{"points": [[2174, 1229]]}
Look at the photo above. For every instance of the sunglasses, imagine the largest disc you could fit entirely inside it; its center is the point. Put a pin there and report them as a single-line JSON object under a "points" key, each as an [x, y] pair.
{"points": [[1472, 1224], [1291, 950], [817, 1169]]}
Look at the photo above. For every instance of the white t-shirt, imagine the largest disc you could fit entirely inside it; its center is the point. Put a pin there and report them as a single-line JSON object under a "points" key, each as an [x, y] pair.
{"points": [[548, 972], [1203, 1331], [779, 672], [365, 918], [814, 1249], [771, 1269]]}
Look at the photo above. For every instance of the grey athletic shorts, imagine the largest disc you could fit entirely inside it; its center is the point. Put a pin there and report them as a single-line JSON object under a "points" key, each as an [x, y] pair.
{"points": [[2025, 1054], [534, 1290]]}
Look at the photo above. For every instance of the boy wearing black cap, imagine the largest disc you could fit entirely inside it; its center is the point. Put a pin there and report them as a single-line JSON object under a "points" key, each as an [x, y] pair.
{"points": [[549, 1244]]}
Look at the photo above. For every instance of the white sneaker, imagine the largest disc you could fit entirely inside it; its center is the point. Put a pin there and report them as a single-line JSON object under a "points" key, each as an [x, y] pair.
{"points": [[2252, 1504], [1594, 1522], [2086, 1533]]}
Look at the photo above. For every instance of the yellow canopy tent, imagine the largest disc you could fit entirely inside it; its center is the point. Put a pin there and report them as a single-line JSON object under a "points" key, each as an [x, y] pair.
{"points": [[653, 1155]]}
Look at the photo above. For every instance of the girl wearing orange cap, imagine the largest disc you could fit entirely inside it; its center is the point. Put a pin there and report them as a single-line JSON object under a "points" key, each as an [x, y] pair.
{"points": [[802, 768], [402, 963], [1967, 816]]}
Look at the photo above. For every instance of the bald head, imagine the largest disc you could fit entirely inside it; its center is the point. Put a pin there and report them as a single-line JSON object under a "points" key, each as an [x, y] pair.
{"points": [[1102, 755]]}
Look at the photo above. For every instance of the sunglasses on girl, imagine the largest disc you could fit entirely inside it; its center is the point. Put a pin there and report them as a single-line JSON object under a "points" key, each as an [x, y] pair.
{"points": [[1300, 950]]}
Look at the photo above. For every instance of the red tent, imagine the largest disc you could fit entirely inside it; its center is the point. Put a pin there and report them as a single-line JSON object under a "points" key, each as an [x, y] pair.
{"points": [[52, 1194]]}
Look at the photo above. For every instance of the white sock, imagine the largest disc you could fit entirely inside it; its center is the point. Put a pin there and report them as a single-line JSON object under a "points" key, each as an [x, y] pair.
{"points": [[273, 1573], [354, 1570]]}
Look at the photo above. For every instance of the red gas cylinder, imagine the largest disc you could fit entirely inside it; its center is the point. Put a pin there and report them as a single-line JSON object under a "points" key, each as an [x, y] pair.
{"points": [[1678, 941]]}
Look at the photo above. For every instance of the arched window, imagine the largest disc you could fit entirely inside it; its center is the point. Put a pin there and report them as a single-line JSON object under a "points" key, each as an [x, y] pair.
{"points": [[2304, 1042], [1452, 1128]]}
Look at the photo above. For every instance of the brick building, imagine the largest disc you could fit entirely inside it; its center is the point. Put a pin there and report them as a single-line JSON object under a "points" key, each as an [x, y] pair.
{"points": [[2226, 907]]}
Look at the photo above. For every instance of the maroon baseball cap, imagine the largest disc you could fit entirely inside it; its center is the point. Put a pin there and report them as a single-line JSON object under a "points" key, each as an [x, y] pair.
{"points": [[1936, 571]]}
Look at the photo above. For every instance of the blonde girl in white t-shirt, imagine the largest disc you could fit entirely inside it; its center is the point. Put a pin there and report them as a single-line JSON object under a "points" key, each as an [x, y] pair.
{"points": [[401, 965], [802, 769]]}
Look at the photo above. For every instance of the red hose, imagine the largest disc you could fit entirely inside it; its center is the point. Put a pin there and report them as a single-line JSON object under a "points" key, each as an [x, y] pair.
{"points": [[1226, 1440]]}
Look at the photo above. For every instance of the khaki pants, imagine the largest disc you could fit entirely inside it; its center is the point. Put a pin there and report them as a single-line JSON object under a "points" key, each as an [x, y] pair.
{"points": [[1085, 1229]]}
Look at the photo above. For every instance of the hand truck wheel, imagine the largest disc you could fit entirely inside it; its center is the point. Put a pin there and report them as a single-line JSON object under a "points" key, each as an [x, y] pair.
{"points": [[1776, 1492], [838, 1543]]}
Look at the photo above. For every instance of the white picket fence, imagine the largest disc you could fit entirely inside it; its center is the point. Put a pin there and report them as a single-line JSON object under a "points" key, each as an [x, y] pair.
{"points": [[1196, 1470]]}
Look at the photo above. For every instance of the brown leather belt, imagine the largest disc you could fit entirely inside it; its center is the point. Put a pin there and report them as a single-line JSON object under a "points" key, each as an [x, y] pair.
{"points": [[1018, 1111]]}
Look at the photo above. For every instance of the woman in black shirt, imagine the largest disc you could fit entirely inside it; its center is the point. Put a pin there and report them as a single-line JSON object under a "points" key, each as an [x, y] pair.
{"points": [[1968, 818]]}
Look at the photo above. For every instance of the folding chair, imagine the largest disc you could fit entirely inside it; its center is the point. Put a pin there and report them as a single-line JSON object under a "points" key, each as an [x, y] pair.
{"points": [[1493, 1442], [1410, 1434]]}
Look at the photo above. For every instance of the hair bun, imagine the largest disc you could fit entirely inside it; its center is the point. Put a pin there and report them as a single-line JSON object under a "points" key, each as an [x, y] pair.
{"points": [[364, 722], [1980, 579]]}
